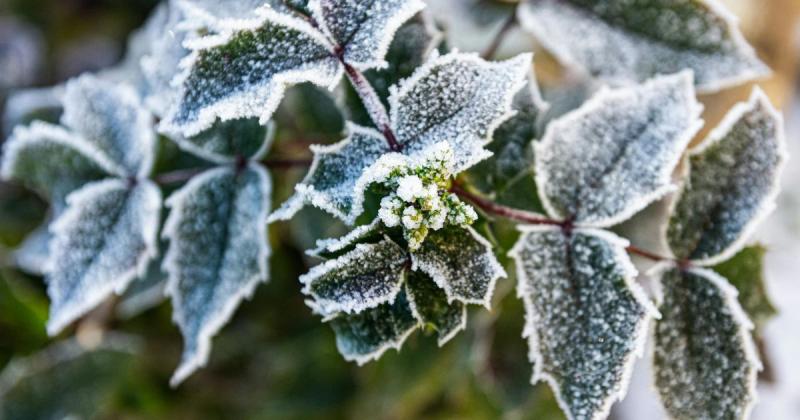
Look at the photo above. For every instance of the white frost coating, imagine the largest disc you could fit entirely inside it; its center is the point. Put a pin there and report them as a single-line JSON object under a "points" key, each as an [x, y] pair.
{"points": [[252, 82], [41, 134], [366, 277], [218, 218], [363, 28], [745, 325], [464, 267], [607, 160], [582, 40], [333, 245], [102, 242], [758, 101], [111, 117], [338, 176], [208, 14], [522, 252], [458, 98]]}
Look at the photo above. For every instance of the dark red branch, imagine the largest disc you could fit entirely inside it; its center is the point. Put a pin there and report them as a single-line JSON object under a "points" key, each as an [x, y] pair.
{"points": [[503, 211]]}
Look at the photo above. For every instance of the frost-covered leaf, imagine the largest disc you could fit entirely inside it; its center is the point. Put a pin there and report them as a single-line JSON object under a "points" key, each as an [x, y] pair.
{"points": [[458, 98], [25, 106], [363, 29], [745, 271], [113, 119], [364, 278], [329, 248], [461, 262], [732, 183], [244, 71], [33, 253], [367, 335], [705, 359], [217, 254], [208, 14], [52, 161], [430, 306], [66, 380], [103, 240], [609, 159], [586, 318], [227, 141], [625, 42], [332, 179]]}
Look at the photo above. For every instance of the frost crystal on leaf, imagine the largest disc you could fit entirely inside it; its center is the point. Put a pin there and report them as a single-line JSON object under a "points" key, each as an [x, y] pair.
{"points": [[366, 277], [243, 71], [625, 42], [457, 98], [104, 240], [363, 29], [607, 160], [208, 14], [217, 255], [461, 262], [732, 184], [367, 335], [111, 117], [227, 141], [586, 318], [430, 306], [327, 248], [705, 359]]}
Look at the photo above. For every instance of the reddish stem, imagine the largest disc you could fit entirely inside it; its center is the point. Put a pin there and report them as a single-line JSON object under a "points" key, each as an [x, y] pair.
{"points": [[503, 211]]}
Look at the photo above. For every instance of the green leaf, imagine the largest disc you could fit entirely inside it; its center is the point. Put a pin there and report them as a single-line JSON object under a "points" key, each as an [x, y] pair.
{"points": [[745, 271], [217, 255], [66, 380], [705, 360], [461, 262], [102, 241], [586, 318], [732, 184], [366, 277], [625, 42], [367, 335], [609, 159], [225, 142], [431, 307]]}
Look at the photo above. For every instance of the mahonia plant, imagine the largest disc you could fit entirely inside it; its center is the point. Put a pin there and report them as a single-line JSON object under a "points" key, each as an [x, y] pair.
{"points": [[434, 134]]}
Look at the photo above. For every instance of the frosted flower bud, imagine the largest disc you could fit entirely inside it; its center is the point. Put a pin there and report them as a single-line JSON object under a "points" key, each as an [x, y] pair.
{"points": [[412, 218], [409, 188], [390, 210]]}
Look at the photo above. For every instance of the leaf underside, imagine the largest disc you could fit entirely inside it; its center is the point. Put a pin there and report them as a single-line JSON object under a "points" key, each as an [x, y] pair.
{"points": [[625, 42], [705, 362], [217, 254], [615, 155], [732, 183], [585, 318]]}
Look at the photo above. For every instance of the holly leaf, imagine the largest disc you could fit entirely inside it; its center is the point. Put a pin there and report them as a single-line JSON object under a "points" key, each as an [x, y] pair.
{"points": [[365, 336], [609, 159], [208, 15], [458, 98], [53, 161], [431, 308], [732, 183], [705, 360], [624, 42], [580, 294], [364, 278], [243, 71], [102, 241], [461, 262], [225, 142], [217, 254], [25, 106], [112, 118], [331, 248], [745, 271], [363, 29]]}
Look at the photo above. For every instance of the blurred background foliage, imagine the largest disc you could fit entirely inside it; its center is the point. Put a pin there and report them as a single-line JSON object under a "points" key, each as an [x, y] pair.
{"points": [[275, 359]]}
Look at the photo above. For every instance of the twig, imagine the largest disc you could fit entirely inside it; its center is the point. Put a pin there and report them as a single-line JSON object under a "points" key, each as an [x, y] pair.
{"points": [[498, 39], [503, 211]]}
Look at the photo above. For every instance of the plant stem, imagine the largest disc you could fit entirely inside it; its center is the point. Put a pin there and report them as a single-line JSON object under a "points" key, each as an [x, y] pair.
{"points": [[183, 175], [498, 39], [375, 109]]}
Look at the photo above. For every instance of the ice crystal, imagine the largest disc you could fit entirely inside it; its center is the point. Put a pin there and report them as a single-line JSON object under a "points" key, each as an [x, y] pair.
{"points": [[607, 160], [705, 359], [732, 184], [586, 318], [217, 254], [626, 42]]}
